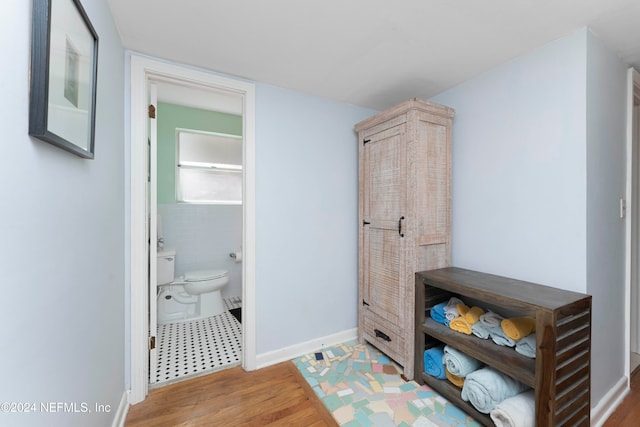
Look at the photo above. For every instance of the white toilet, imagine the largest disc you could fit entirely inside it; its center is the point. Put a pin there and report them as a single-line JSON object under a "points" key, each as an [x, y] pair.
{"points": [[196, 295]]}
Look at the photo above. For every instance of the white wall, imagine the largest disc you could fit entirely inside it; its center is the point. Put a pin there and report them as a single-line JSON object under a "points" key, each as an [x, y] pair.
{"points": [[519, 167], [203, 236], [606, 175], [62, 254], [306, 217], [538, 167]]}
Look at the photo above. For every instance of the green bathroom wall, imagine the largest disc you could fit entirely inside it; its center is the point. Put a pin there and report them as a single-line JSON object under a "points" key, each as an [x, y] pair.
{"points": [[171, 117]]}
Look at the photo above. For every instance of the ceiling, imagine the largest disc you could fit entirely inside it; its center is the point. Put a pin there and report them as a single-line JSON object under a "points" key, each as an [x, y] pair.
{"points": [[370, 53]]}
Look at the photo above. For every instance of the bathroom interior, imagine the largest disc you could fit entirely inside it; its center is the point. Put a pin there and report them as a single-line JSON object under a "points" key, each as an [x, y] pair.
{"points": [[199, 228]]}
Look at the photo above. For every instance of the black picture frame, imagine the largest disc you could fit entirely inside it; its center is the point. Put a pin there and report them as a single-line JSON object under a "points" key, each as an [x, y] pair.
{"points": [[64, 72]]}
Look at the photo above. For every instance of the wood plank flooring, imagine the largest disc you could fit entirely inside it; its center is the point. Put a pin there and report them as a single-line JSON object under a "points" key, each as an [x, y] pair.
{"points": [[273, 396]]}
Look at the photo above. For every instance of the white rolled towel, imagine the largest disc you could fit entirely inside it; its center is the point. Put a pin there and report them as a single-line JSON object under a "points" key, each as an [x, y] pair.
{"points": [[450, 310], [489, 318], [458, 363], [516, 411], [486, 387], [527, 346]]}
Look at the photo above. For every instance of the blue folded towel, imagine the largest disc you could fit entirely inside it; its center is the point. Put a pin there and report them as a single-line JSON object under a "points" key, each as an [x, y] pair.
{"points": [[434, 362], [480, 330], [437, 313], [458, 363], [486, 388], [527, 346], [499, 337]]}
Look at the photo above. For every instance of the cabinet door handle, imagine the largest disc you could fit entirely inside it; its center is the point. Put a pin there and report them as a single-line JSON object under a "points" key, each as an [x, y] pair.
{"points": [[380, 334], [400, 226]]}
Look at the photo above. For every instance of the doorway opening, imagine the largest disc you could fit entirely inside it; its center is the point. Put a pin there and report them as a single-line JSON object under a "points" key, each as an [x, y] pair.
{"points": [[196, 172], [148, 79]]}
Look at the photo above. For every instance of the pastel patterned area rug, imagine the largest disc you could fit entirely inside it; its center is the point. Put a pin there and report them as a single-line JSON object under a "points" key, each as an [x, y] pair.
{"points": [[361, 387]]}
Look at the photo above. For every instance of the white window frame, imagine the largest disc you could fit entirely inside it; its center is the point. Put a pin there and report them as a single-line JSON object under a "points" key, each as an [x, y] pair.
{"points": [[205, 167]]}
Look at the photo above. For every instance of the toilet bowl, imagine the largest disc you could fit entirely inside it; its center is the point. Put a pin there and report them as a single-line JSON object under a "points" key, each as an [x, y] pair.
{"points": [[196, 295], [175, 305], [207, 284]]}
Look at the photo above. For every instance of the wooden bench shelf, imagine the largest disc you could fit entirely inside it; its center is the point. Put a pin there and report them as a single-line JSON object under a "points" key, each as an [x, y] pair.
{"points": [[560, 373], [504, 359]]}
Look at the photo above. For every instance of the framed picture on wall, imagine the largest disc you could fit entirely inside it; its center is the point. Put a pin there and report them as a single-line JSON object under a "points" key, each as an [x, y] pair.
{"points": [[64, 68]]}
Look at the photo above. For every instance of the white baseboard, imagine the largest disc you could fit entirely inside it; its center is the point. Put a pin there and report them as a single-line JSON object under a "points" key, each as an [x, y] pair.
{"points": [[291, 352], [609, 402], [121, 413]]}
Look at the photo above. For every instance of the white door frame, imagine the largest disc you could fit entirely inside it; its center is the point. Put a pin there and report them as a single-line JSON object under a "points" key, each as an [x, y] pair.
{"points": [[142, 70], [632, 224], [153, 228]]}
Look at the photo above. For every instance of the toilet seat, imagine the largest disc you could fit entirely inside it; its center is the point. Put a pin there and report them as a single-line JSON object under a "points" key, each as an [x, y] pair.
{"points": [[202, 275]]}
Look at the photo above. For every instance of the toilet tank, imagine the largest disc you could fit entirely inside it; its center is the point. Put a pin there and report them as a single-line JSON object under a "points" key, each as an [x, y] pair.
{"points": [[166, 267]]}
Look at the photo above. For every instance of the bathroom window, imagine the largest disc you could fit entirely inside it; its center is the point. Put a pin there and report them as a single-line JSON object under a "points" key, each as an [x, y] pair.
{"points": [[209, 168]]}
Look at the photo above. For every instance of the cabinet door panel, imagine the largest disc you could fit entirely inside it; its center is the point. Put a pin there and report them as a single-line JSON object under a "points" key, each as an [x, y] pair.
{"points": [[384, 175], [384, 205], [382, 272]]}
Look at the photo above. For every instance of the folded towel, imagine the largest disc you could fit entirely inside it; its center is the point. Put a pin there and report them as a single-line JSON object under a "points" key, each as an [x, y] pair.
{"points": [[437, 312], [451, 311], [516, 411], [461, 325], [517, 328], [434, 362], [462, 309], [527, 346], [458, 363], [473, 315], [491, 319], [480, 330], [486, 387], [498, 336], [454, 379]]}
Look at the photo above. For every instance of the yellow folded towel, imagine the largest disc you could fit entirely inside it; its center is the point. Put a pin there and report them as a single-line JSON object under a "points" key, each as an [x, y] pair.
{"points": [[473, 315], [454, 379], [517, 328], [462, 309], [461, 325]]}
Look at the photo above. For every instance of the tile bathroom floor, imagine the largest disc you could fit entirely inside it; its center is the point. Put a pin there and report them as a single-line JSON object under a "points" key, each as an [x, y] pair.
{"points": [[192, 348]]}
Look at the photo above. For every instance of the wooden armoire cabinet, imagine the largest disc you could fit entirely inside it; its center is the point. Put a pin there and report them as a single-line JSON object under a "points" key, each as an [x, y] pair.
{"points": [[404, 218]]}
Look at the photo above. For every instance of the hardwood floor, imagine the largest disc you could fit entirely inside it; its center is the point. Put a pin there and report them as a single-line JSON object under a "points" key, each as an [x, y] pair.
{"points": [[274, 396], [628, 413]]}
